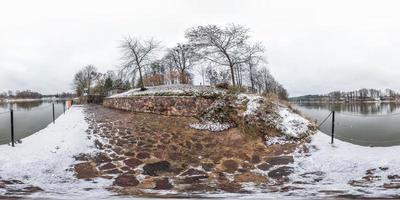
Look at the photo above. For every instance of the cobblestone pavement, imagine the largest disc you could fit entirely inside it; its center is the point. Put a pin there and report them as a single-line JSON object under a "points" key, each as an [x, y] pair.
{"points": [[147, 153]]}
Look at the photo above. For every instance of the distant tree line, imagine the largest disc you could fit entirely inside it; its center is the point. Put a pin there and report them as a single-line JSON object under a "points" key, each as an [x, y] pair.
{"points": [[28, 94], [25, 94], [219, 54], [356, 95]]}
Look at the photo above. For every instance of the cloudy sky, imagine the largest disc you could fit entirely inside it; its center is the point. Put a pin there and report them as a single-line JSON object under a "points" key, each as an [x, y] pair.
{"points": [[312, 46]]}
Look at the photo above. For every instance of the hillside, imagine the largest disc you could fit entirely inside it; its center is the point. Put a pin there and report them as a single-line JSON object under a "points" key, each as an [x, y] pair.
{"points": [[239, 139]]}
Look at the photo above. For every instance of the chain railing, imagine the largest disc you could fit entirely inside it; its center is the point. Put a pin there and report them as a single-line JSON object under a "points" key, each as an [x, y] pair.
{"points": [[332, 115], [12, 111]]}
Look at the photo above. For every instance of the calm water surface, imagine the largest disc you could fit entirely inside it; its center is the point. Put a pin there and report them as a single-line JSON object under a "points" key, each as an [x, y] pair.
{"points": [[29, 117], [368, 124]]}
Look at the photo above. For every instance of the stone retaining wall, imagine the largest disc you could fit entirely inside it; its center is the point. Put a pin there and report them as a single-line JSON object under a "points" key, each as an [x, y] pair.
{"points": [[165, 105]]}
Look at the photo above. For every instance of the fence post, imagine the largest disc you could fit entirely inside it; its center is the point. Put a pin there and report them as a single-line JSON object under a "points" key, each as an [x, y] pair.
{"points": [[333, 126], [12, 126], [64, 106], [54, 117]]}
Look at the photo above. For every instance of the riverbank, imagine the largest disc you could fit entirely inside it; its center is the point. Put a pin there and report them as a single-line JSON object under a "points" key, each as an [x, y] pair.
{"points": [[150, 158], [41, 165], [107, 152], [32, 100], [345, 170], [96, 152]]}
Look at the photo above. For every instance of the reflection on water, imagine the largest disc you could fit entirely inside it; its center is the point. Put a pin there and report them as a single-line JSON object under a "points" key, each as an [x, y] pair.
{"points": [[27, 105], [372, 124], [29, 117], [357, 108]]}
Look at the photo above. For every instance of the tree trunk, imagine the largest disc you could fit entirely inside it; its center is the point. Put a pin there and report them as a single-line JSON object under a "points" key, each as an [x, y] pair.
{"points": [[141, 79], [251, 77], [182, 78], [232, 75]]}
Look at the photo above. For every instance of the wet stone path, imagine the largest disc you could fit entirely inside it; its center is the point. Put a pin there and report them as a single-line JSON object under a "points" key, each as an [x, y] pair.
{"points": [[147, 154]]}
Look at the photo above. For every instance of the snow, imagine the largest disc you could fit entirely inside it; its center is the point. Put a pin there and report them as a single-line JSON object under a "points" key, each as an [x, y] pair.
{"points": [[43, 159], [278, 140], [292, 124], [343, 162], [253, 104], [211, 126], [172, 90]]}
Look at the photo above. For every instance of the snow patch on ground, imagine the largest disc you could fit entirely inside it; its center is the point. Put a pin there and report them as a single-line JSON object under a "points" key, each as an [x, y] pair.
{"points": [[172, 90], [277, 140], [253, 103], [292, 124], [342, 162], [211, 126], [43, 159]]}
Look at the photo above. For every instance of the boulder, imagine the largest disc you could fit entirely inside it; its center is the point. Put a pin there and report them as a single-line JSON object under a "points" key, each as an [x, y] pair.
{"points": [[86, 170], [230, 166], [163, 184], [391, 185], [126, 180], [132, 162], [143, 155], [193, 172], [280, 172], [249, 177], [107, 166], [264, 166], [153, 169], [101, 158], [280, 160], [147, 183]]}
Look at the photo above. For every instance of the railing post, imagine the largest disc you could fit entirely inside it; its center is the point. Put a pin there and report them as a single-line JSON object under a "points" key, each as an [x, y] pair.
{"points": [[64, 106], [333, 126], [12, 126], [54, 117]]}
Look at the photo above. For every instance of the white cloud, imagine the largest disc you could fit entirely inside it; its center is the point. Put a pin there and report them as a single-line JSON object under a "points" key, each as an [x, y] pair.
{"points": [[313, 46]]}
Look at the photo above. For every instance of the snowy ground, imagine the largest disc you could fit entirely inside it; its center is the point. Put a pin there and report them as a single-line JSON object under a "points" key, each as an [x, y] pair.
{"points": [[43, 159], [172, 90], [292, 124], [345, 168]]}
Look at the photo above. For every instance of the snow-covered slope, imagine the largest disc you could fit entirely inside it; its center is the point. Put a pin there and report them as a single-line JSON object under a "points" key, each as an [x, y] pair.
{"points": [[290, 124], [172, 90], [43, 158]]}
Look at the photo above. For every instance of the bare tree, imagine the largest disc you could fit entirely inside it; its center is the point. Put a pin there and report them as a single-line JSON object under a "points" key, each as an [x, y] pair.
{"points": [[84, 79], [79, 83], [182, 57], [138, 54], [202, 69], [91, 74], [215, 76], [228, 46], [253, 65]]}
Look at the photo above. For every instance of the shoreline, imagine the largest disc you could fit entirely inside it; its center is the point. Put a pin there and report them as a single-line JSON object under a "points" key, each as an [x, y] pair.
{"points": [[31, 100], [343, 102], [86, 159]]}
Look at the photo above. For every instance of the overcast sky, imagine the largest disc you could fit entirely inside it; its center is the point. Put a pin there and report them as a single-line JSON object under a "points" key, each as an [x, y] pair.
{"points": [[312, 46]]}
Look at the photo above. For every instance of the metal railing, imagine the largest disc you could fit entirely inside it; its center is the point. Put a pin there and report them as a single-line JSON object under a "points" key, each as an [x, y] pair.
{"points": [[332, 116], [12, 111], [332, 113]]}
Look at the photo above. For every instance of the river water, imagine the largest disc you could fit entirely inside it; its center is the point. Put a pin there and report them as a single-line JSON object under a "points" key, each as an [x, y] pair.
{"points": [[29, 117], [366, 124]]}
